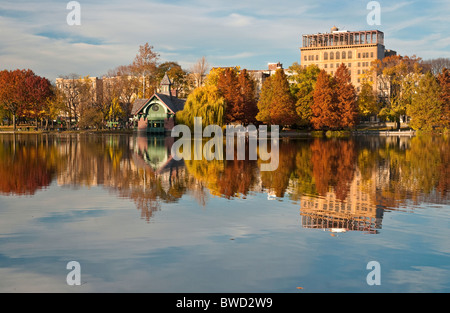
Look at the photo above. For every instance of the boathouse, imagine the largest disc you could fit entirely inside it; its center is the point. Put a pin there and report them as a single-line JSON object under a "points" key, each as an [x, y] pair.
{"points": [[157, 114]]}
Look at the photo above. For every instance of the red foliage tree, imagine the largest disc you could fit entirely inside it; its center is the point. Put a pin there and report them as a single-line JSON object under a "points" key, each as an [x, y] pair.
{"points": [[22, 92], [238, 90], [228, 87], [346, 98], [444, 81], [325, 113], [247, 98], [334, 106]]}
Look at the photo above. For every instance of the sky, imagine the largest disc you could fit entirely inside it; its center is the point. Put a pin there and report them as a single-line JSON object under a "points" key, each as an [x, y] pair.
{"points": [[246, 33]]}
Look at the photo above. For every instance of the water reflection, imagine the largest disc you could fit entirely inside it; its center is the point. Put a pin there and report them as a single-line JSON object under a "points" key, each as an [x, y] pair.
{"points": [[340, 184]]}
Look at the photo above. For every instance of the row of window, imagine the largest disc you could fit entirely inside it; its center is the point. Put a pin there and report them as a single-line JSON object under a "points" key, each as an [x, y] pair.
{"points": [[338, 55], [349, 65]]}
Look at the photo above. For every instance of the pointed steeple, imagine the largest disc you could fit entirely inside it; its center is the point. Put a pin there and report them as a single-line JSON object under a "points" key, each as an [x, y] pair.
{"points": [[166, 85]]}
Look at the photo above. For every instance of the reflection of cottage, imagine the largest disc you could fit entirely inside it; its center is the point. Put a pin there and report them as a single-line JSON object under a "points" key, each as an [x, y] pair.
{"points": [[157, 114]]}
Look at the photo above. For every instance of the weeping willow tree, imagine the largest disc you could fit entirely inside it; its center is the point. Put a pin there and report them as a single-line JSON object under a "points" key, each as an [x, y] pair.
{"points": [[204, 102]]}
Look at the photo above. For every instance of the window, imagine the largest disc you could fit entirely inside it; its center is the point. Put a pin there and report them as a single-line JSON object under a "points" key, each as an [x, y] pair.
{"points": [[331, 55], [371, 54], [325, 66], [331, 65], [349, 54], [305, 58], [325, 55], [343, 55], [337, 55], [349, 64], [317, 57], [359, 55], [359, 72], [359, 64]]}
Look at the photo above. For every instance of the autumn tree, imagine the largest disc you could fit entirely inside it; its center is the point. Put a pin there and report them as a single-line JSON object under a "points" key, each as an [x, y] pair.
{"points": [[145, 64], [13, 96], [325, 113], [38, 92], [199, 70], [247, 95], [276, 104], [23, 92], [228, 87], [177, 75], [204, 102], [303, 88], [425, 109], [437, 65], [346, 98], [394, 78], [238, 90], [71, 85], [444, 97], [367, 100]]}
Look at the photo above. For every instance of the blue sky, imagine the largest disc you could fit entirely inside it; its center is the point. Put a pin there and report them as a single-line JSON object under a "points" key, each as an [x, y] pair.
{"points": [[35, 34]]}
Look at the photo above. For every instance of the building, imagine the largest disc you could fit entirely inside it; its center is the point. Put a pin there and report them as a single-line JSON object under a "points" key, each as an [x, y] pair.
{"points": [[356, 49], [157, 113]]}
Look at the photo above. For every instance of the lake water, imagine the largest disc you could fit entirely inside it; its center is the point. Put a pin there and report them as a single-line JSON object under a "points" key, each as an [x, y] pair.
{"points": [[137, 220]]}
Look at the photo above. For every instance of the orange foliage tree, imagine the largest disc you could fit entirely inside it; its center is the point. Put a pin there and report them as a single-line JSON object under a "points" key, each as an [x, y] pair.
{"points": [[334, 101], [444, 81], [276, 104]]}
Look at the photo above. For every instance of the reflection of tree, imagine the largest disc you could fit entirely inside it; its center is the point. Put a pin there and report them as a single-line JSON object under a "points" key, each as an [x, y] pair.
{"points": [[224, 178], [27, 164], [444, 169], [333, 165], [278, 181]]}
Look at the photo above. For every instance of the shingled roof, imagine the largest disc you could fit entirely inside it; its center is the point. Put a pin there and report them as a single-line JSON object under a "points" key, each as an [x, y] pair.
{"points": [[172, 103], [166, 80], [138, 105]]}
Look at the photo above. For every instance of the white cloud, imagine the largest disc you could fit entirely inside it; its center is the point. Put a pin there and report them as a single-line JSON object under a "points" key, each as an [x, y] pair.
{"points": [[35, 34]]}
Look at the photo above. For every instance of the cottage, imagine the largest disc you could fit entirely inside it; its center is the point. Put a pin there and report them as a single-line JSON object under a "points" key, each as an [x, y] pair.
{"points": [[157, 114]]}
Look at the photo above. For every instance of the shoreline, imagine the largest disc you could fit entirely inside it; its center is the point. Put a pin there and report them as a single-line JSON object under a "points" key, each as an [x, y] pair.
{"points": [[282, 134]]}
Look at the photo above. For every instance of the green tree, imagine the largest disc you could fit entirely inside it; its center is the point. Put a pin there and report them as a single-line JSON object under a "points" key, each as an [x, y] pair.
{"points": [[204, 102], [305, 80], [425, 107]]}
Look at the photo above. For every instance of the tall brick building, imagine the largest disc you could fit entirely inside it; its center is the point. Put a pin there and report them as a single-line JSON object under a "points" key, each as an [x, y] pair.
{"points": [[356, 49]]}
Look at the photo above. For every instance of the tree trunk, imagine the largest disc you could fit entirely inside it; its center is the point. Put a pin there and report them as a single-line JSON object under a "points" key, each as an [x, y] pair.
{"points": [[14, 121]]}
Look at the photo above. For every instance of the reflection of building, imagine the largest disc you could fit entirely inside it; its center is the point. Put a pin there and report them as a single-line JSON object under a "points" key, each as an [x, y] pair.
{"points": [[357, 212], [356, 49], [156, 114], [154, 153]]}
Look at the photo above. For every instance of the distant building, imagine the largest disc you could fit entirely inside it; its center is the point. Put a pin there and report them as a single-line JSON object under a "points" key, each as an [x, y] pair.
{"points": [[157, 113], [356, 49]]}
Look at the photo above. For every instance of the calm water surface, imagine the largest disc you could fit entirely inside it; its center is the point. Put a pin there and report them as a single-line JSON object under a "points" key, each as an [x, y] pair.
{"points": [[139, 221]]}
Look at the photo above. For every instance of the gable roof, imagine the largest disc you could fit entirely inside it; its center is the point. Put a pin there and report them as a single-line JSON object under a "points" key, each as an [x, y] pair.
{"points": [[138, 105], [172, 103]]}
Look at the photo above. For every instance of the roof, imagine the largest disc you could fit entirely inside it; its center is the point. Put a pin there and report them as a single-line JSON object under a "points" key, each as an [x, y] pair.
{"points": [[138, 105], [166, 80], [172, 103]]}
